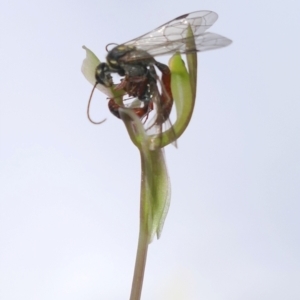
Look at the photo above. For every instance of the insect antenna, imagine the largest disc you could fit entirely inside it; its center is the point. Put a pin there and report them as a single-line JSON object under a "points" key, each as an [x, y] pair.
{"points": [[88, 107], [106, 48]]}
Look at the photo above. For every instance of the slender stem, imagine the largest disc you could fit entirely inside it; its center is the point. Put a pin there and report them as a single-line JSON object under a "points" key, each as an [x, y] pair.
{"points": [[138, 137], [141, 255], [140, 264]]}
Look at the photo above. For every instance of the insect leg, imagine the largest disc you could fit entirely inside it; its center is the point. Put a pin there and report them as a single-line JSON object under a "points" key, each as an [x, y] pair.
{"points": [[166, 95]]}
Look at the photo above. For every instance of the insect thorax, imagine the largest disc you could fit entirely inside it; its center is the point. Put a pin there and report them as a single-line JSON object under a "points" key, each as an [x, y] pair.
{"points": [[129, 59]]}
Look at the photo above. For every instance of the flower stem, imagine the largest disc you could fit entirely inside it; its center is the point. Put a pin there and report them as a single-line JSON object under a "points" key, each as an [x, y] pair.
{"points": [[141, 255], [140, 264]]}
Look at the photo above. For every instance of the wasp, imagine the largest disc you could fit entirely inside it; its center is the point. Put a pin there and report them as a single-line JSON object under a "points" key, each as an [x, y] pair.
{"points": [[135, 62]]}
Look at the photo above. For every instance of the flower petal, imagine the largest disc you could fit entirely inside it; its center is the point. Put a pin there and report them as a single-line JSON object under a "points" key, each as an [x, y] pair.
{"points": [[88, 69]]}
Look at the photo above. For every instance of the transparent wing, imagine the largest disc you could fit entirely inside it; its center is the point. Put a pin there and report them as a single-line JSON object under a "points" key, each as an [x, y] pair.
{"points": [[203, 42], [171, 36]]}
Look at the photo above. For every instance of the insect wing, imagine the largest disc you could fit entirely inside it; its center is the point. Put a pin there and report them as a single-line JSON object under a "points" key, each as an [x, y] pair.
{"points": [[203, 42], [174, 30], [171, 37]]}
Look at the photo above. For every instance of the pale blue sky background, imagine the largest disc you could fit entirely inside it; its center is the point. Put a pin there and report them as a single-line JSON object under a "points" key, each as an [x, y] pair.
{"points": [[70, 190]]}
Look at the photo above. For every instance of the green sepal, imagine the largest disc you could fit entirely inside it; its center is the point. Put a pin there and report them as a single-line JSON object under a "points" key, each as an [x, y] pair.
{"points": [[183, 86], [155, 183]]}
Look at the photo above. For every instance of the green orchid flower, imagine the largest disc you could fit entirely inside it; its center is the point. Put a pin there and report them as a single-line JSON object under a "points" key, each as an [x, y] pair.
{"points": [[155, 189]]}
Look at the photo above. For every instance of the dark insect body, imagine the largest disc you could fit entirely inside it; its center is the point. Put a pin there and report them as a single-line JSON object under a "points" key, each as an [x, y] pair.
{"points": [[135, 62], [140, 80]]}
